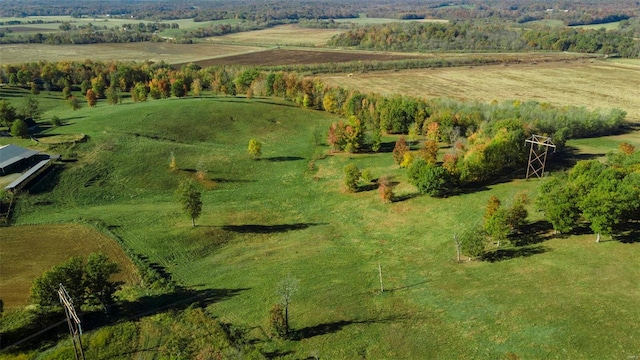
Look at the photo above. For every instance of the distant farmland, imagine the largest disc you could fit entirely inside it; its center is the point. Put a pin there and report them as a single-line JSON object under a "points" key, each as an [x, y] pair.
{"points": [[590, 83]]}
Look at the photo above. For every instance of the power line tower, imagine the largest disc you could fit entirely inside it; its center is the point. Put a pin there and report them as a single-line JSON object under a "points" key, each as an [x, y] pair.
{"points": [[73, 320], [538, 154]]}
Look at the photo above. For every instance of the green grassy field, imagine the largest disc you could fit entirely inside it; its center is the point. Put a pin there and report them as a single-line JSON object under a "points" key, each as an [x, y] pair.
{"points": [[264, 220]]}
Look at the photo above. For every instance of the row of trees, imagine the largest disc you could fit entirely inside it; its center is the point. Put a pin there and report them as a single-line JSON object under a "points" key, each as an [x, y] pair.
{"points": [[606, 196], [469, 36]]}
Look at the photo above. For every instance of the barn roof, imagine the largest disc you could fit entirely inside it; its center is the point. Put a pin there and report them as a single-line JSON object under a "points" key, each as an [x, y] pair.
{"points": [[11, 154]]}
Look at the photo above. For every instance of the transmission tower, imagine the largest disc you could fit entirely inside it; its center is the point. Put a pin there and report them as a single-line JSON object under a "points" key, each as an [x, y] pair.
{"points": [[73, 320], [538, 154]]}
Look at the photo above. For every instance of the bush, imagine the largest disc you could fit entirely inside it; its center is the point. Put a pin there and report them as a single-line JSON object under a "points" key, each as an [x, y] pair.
{"points": [[277, 321], [429, 179], [351, 176]]}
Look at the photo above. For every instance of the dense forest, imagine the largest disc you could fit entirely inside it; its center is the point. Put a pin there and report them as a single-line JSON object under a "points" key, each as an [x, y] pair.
{"points": [[470, 36]]}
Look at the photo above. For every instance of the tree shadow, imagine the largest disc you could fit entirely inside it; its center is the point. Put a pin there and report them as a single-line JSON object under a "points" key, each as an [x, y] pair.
{"points": [[629, 234], [334, 326], [407, 286], [283, 158], [367, 187], [512, 253], [405, 197], [268, 229], [567, 158], [533, 233]]}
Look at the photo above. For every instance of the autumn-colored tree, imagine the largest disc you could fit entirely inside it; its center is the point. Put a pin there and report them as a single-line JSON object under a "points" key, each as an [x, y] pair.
{"points": [[433, 131], [196, 87], [385, 189], [255, 149], [400, 149], [407, 159], [492, 207], [450, 163], [277, 322], [429, 151], [249, 93], [626, 148], [173, 165], [335, 136], [91, 98]]}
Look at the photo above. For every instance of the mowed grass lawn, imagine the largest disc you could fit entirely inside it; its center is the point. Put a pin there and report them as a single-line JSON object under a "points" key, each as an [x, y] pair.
{"points": [[28, 251], [265, 220]]}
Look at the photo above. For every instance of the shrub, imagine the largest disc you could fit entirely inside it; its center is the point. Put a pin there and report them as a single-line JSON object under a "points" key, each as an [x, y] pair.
{"points": [[351, 176], [277, 321]]}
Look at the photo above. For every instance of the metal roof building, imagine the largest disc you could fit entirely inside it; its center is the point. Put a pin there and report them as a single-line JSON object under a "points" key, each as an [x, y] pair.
{"points": [[13, 155]]}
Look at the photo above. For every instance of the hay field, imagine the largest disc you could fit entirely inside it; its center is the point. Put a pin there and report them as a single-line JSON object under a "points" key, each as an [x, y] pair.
{"points": [[593, 84], [171, 53], [280, 35], [28, 251]]}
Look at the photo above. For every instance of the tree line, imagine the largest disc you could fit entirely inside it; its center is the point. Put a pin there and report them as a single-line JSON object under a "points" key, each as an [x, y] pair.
{"points": [[470, 36]]}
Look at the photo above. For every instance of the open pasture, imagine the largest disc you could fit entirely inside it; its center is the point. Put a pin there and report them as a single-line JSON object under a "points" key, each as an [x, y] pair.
{"points": [[590, 83], [27, 251], [170, 53], [280, 35], [264, 220]]}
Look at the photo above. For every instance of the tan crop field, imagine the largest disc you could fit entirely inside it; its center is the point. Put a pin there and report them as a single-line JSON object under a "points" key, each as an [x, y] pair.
{"points": [[40, 247], [280, 35], [590, 83], [171, 53]]}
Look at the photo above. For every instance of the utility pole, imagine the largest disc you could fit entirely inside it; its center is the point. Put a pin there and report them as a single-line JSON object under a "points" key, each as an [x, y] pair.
{"points": [[73, 321], [538, 158]]}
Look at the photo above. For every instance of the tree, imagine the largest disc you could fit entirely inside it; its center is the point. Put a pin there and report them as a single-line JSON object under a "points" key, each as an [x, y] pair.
{"points": [[196, 87], [74, 103], [56, 121], [44, 291], [517, 213], [112, 96], [7, 113], [90, 282], [277, 322], [178, 88], [559, 203], [31, 108], [626, 148], [19, 128], [492, 207], [429, 179], [385, 189], [285, 290], [351, 176], [98, 272], [429, 151], [497, 226], [190, 198], [91, 98], [472, 243], [173, 166], [255, 149], [399, 150], [98, 85]]}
